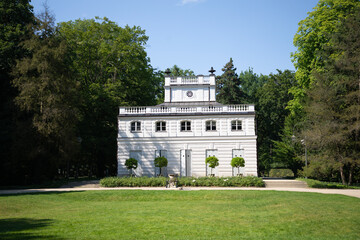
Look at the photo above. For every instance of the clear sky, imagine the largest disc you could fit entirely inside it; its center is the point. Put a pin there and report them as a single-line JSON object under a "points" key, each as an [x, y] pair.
{"points": [[198, 34]]}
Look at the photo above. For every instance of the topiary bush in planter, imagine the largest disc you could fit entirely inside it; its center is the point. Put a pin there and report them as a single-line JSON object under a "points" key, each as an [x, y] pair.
{"points": [[237, 162], [213, 162], [131, 164], [160, 162]]}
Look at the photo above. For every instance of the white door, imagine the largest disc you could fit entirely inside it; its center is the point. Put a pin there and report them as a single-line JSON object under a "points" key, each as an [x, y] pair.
{"points": [[185, 162], [137, 155], [209, 170], [238, 153]]}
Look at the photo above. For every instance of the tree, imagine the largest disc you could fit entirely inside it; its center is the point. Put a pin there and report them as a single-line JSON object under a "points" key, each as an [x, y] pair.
{"points": [[179, 72], [237, 162], [48, 91], [131, 163], [311, 38], [333, 108], [160, 162], [228, 85], [250, 84], [15, 16], [113, 70], [271, 113], [212, 161]]}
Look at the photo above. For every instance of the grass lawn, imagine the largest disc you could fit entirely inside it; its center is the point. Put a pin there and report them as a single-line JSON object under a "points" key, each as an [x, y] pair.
{"points": [[136, 214]]}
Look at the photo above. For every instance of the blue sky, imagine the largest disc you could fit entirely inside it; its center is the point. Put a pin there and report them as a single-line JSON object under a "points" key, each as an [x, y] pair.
{"points": [[198, 34]]}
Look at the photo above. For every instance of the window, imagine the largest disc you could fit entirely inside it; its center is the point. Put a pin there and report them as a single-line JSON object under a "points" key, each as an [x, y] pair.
{"points": [[160, 126], [135, 126], [185, 126], [210, 125], [236, 125]]}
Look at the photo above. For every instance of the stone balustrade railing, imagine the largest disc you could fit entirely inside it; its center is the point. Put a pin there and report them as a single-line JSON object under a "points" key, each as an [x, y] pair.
{"points": [[179, 109], [190, 80]]}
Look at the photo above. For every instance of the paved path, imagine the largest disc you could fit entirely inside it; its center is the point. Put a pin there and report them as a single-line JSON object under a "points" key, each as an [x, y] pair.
{"points": [[348, 192]]}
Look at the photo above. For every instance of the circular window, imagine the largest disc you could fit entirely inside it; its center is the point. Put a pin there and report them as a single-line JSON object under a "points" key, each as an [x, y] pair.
{"points": [[189, 93]]}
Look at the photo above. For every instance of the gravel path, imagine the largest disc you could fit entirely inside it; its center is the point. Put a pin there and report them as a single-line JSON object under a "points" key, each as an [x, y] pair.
{"points": [[347, 192]]}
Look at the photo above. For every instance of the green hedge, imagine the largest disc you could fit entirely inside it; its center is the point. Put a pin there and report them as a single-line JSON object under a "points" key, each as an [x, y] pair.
{"points": [[281, 173], [183, 181], [318, 184]]}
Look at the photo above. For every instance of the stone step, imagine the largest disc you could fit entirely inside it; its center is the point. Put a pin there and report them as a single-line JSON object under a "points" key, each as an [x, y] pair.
{"points": [[284, 183]]}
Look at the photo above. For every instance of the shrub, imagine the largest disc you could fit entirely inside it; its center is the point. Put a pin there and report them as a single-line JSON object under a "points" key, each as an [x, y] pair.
{"points": [[160, 162], [131, 163], [281, 173], [249, 181], [212, 161], [237, 162], [318, 184]]}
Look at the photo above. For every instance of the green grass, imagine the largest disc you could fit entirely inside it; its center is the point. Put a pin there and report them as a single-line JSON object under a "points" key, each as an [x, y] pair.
{"points": [[318, 184], [142, 214]]}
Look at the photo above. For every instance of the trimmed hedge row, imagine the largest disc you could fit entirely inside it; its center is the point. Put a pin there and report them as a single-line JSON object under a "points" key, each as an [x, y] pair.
{"points": [[183, 181], [318, 184]]}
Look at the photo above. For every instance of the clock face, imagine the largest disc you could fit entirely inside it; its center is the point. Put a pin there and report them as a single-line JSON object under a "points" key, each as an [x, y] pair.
{"points": [[189, 94]]}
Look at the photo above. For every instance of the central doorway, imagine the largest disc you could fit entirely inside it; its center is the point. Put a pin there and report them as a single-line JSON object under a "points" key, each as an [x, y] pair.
{"points": [[185, 163]]}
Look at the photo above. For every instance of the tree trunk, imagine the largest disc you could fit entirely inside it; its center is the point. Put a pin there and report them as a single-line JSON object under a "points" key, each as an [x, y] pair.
{"points": [[350, 175], [342, 175]]}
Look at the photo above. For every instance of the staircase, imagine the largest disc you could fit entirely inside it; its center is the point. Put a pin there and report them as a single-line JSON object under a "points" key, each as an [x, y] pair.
{"points": [[284, 183]]}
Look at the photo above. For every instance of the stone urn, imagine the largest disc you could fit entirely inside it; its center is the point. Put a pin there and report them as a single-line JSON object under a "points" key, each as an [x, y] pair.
{"points": [[172, 181]]}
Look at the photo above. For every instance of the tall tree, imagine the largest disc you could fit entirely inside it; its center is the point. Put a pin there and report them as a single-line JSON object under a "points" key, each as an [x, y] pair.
{"points": [[47, 89], [334, 100], [177, 71], [251, 83], [271, 113], [228, 85], [311, 38], [113, 70], [14, 18]]}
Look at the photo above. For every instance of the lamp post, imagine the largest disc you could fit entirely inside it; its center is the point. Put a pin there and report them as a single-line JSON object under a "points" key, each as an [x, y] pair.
{"points": [[303, 142]]}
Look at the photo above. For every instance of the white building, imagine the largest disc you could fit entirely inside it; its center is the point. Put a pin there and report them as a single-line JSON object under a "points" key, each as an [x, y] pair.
{"points": [[188, 127]]}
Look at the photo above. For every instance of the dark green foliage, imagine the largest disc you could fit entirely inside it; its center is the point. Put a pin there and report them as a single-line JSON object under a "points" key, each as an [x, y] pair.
{"points": [[131, 163], [160, 162], [333, 107], [15, 16], [113, 70], [212, 161], [237, 162], [271, 111], [183, 181], [228, 85], [176, 71], [48, 93]]}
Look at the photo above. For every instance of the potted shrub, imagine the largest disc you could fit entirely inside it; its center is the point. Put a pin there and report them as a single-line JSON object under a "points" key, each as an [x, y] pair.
{"points": [[238, 162], [131, 164], [161, 162], [213, 162]]}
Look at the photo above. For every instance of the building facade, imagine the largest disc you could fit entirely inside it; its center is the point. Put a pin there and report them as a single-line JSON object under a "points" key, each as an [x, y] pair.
{"points": [[187, 128]]}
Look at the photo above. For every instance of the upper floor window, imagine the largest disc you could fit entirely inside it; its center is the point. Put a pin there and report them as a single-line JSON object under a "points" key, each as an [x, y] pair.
{"points": [[210, 125], [160, 126], [135, 126], [185, 126], [236, 125]]}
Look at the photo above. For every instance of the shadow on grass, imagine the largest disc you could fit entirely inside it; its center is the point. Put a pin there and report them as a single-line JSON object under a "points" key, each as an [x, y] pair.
{"points": [[12, 228]]}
